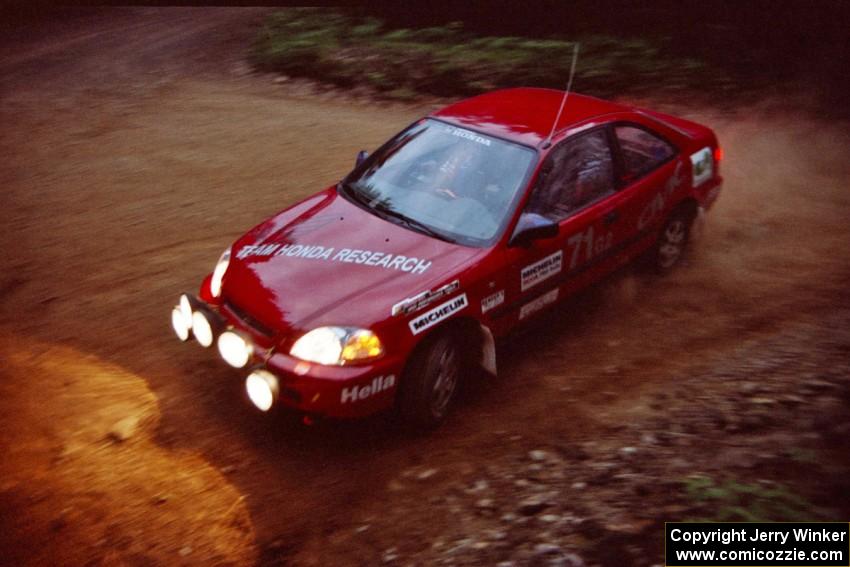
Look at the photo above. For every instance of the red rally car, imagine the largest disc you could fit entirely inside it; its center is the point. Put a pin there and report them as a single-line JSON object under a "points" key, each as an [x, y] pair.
{"points": [[391, 286]]}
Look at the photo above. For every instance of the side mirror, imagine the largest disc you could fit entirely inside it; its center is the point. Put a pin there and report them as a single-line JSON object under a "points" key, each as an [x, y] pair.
{"points": [[361, 157], [531, 227]]}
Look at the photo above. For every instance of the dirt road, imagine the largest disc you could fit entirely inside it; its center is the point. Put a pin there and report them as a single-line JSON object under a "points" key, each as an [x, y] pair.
{"points": [[135, 149]]}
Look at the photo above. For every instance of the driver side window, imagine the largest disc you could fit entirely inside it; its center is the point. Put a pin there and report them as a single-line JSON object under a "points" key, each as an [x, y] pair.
{"points": [[576, 173]]}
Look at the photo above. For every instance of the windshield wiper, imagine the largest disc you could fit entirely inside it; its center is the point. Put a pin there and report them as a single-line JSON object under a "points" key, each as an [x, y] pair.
{"points": [[385, 210], [411, 223]]}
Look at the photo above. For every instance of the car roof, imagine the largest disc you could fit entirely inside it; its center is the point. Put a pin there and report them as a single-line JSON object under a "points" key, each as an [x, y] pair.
{"points": [[525, 114]]}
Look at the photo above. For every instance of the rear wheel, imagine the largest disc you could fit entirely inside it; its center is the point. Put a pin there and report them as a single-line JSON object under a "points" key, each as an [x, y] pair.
{"points": [[672, 241], [431, 381]]}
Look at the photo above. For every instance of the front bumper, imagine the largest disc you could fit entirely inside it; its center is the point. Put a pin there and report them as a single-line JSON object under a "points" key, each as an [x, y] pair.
{"points": [[315, 389]]}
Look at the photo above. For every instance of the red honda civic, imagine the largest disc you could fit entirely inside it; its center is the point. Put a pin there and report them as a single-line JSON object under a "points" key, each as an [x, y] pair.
{"points": [[388, 288]]}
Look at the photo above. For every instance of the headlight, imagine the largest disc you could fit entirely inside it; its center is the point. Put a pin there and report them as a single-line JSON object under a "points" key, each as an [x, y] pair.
{"points": [[337, 345], [218, 273]]}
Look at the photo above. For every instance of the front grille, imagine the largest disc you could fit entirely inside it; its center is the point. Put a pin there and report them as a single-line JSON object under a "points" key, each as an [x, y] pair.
{"points": [[248, 320]]}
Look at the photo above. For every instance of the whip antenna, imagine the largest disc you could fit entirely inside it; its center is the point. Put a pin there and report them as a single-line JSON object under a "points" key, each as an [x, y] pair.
{"points": [[566, 94]]}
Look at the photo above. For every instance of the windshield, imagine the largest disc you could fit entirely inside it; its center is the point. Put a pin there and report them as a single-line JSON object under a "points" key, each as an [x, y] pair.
{"points": [[442, 180]]}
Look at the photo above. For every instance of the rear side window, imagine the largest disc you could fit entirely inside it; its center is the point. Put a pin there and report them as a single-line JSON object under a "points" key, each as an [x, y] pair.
{"points": [[642, 150], [578, 172]]}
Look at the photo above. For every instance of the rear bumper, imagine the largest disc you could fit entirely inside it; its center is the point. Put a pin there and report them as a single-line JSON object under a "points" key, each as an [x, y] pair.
{"points": [[708, 193], [707, 196], [328, 391]]}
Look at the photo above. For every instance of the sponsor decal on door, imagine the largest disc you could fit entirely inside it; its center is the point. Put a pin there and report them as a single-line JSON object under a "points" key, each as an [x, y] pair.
{"points": [[533, 307], [541, 270]]}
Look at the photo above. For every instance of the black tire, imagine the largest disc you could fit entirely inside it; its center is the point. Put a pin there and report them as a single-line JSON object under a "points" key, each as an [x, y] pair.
{"points": [[430, 382], [672, 241]]}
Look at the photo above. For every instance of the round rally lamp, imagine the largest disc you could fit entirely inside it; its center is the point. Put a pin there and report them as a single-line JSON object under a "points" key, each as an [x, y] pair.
{"points": [[234, 349], [202, 329], [186, 310], [262, 389], [178, 323]]}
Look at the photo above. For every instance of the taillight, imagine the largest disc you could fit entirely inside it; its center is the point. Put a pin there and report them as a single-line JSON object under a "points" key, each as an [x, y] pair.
{"points": [[718, 154]]}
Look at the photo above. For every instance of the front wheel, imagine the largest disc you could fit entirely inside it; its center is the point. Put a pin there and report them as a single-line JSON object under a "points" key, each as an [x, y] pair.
{"points": [[672, 241], [430, 383]]}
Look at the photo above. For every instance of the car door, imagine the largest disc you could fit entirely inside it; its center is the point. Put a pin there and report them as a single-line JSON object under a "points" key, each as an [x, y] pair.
{"points": [[574, 188], [650, 173]]}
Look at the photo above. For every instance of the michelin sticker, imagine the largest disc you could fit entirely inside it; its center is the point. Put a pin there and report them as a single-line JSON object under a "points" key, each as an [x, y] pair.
{"points": [[702, 163], [417, 302], [326, 253], [533, 307], [492, 301], [437, 314], [543, 269]]}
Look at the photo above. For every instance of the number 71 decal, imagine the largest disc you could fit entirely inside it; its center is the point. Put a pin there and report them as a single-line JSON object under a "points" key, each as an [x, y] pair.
{"points": [[592, 246]]}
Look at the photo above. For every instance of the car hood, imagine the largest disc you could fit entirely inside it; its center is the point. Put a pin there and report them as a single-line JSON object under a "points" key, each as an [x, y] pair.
{"points": [[327, 261]]}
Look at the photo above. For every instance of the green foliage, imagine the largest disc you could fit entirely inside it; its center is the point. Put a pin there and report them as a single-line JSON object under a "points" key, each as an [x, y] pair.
{"points": [[330, 46], [732, 501]]}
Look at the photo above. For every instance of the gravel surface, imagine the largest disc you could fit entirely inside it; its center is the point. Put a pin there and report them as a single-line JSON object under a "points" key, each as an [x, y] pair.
{"points": [[771, 415]]}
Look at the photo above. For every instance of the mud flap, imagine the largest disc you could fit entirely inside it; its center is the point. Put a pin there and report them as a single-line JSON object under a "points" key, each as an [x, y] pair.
{"points": [[488, 351]]}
